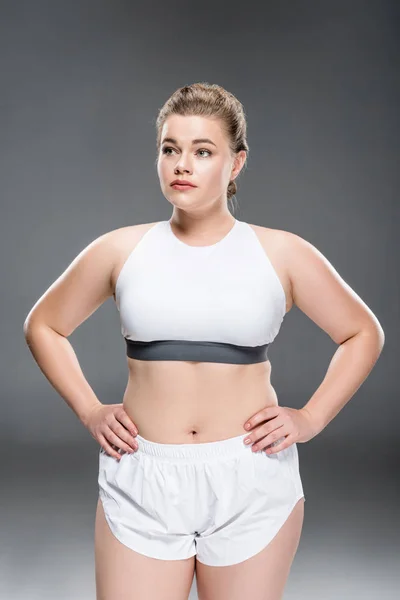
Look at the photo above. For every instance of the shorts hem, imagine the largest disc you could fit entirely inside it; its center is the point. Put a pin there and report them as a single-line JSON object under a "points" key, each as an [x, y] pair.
{"points": [[262, 541], [136, 548]]}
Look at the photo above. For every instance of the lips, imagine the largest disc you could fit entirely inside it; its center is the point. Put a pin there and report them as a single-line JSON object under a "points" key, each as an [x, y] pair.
{"points": [[183, 188], [182, 183]]}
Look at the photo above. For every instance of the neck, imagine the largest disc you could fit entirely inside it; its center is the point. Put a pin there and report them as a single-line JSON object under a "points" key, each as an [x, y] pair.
{"points": [[199, 225]]}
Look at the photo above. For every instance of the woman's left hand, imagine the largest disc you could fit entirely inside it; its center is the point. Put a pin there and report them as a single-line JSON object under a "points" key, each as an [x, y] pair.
{"points": [[280, 426]]}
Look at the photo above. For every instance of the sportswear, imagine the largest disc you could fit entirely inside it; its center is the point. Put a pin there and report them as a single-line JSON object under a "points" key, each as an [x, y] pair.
{"points": [[218, 500], [222, 303]]}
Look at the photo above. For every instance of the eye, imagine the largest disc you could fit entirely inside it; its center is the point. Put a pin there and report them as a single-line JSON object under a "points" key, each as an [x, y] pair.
{"points": [[164, 150], [204, 150]]}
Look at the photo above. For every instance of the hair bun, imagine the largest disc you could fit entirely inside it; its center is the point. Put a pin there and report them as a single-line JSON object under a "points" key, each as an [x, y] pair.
{"points": [[232, 189]]}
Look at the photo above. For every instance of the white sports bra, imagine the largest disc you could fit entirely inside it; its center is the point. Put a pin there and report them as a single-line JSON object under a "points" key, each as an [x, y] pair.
{"points": [[222, 303]]}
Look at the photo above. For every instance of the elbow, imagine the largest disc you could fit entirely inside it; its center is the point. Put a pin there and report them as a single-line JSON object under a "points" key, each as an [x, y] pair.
{"points": [[374, 332], [377, 330], [381, 337], [28, 326], [34, 323]]}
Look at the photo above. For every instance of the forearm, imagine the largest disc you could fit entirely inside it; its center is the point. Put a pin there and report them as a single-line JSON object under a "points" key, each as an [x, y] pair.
{"points": [[348, 369], [57, 360]]}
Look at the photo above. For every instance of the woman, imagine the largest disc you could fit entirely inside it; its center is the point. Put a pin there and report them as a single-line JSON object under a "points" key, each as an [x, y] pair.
{"points": [[201, 297]]}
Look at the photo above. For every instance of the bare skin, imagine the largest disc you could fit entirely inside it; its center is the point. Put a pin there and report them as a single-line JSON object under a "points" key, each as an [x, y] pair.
{"points": [[183, 402]]}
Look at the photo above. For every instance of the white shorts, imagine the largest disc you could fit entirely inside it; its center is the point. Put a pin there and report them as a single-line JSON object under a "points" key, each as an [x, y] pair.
{"points": [[218, 500]]}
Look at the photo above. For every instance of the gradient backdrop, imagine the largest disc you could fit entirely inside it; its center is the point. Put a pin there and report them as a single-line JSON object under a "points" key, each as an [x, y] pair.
{"points": [[82, 82]]}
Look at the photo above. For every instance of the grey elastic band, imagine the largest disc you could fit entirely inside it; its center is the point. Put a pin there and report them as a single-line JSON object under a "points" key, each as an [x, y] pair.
{"points": [[216, 352]]}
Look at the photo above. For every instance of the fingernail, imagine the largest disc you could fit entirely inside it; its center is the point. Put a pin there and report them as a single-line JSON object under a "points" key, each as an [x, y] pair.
{"points": [[247, 426]]}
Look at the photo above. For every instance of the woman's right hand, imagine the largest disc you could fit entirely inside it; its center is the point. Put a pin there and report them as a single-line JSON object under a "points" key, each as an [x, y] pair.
{"points": [[112, 428]]}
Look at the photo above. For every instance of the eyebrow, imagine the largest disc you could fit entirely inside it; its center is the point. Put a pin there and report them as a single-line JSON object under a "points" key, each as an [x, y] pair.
{"points": [[196, 141]]}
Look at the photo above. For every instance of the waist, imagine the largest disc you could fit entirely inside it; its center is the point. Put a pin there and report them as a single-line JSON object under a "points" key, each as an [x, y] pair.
{"points": [[180, 402]]}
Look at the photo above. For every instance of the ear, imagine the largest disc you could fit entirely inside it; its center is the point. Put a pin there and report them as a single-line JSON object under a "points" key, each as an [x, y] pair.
{"points": [[239, 160]]}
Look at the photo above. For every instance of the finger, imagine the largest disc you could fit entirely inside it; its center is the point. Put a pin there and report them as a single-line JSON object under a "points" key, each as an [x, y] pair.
{"points": [[117, 441], [123, 434], [266, 429], [265, 414], [126, 421], [278, 434], [288, 441], [109, 449]]}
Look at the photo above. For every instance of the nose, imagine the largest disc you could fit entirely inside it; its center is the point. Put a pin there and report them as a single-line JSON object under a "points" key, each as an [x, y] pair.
{"points": [[182, 165]]}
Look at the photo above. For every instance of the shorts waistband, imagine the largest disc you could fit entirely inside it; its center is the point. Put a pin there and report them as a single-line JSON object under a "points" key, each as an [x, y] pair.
{"points": [[201, 451]]}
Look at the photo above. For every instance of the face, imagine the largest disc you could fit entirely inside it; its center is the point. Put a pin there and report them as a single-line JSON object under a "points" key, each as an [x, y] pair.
{"points": [[209, 165]]}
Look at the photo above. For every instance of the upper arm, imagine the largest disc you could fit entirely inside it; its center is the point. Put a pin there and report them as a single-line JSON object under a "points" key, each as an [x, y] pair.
{"points": [[321, 293], [79, 290]]}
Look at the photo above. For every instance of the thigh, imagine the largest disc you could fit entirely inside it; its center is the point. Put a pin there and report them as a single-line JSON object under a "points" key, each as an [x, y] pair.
{"points": [[261, 577], [127, 575]]}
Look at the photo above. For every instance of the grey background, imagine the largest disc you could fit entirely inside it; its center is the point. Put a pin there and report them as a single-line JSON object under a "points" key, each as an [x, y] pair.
{"points": [[81, 86]]}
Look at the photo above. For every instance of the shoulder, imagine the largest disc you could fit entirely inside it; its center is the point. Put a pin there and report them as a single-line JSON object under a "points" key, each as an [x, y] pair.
{"points": [[121, 242], [286, 243], [130, 233], [280, 245], [295, 252], [277, 246], [106, 247], [279, 236], [290, 255], [321, 293]]}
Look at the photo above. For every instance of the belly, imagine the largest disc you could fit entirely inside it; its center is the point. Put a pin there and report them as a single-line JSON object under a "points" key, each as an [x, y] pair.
{"points": [[178, 402]]}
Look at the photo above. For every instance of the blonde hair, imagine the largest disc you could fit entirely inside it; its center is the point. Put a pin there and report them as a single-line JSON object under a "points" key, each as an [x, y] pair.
{"points": [[209, 100]]}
